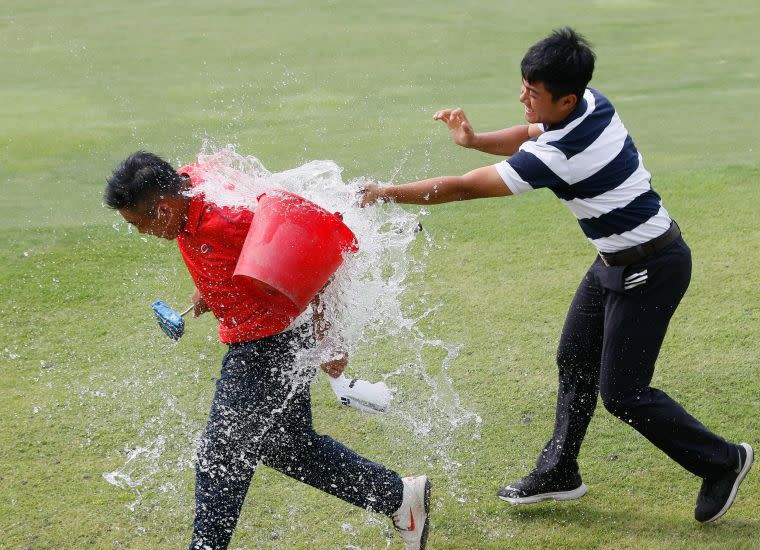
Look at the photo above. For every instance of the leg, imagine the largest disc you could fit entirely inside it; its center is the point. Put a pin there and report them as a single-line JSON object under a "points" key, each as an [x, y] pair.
{"points": [[262, 411], [229, 450], [556, 475], [635, 324], [295, 449], [318, 460], [578, 359]]}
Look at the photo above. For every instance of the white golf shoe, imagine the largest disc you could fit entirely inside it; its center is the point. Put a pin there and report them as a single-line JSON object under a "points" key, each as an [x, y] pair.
{"points": [[412, 520]]}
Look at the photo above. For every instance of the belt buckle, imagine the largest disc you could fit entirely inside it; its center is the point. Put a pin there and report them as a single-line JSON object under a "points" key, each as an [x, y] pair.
{"points": [[604, 260]]}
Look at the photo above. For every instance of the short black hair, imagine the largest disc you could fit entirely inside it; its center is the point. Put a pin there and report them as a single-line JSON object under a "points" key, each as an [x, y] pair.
{"points": [[563, 62], [139, 180]]}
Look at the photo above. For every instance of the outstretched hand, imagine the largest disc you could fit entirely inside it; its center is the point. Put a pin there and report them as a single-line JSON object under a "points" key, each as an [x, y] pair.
{"points": [[460, 128], [369, 194]]}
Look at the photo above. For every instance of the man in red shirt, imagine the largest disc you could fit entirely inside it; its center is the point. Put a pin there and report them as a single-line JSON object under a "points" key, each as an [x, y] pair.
{"points": [[261, 410]]}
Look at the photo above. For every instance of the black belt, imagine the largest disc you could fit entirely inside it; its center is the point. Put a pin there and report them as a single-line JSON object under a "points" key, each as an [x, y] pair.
{"points": [[641, 251]]}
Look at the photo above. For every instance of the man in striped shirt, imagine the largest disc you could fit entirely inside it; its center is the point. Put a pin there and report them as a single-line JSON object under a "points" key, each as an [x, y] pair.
{"points": [[576, 145]]}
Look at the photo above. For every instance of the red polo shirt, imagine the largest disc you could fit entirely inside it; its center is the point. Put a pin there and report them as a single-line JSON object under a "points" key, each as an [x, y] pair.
{"points": [[210, 244]]}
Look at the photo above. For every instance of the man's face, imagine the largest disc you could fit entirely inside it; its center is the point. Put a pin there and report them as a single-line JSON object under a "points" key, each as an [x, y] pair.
{"points": [[541, 108], [165, 220]]}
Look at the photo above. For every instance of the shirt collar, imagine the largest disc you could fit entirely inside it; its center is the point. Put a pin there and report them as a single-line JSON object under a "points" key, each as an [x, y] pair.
{"points": [[194, 211], [580, 109]]}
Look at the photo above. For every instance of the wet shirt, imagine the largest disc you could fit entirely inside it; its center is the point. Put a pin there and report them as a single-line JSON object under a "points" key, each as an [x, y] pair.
{"points": [[210, 244], [592, 165]]}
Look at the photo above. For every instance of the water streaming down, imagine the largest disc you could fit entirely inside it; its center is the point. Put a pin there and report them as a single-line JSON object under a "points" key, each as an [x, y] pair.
{"points": [[366, 310]]}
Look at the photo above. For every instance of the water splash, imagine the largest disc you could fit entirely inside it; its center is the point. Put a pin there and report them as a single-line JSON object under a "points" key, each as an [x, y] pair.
{"points": [[366, 308], [363, 302]]}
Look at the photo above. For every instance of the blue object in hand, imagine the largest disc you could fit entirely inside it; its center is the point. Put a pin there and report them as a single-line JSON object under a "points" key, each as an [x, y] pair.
{"points": [[169, 320]]}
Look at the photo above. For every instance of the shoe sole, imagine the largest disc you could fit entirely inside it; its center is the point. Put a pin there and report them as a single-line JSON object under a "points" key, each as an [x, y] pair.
{"points": [[559, 495], [739, 479], [423, 540]]}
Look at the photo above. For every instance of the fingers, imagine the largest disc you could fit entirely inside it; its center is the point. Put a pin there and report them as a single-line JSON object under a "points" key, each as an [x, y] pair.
{"points": [[458, 116], [450, 115], [443, 115], [363, 198], [459, 127], [368, 194], [200, 308], [330, 370], [199, 304], [335, 367]]}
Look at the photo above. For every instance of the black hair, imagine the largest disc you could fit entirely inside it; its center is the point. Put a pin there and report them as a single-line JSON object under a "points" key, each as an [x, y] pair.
{"points": [[140, 180], [563, 62]]}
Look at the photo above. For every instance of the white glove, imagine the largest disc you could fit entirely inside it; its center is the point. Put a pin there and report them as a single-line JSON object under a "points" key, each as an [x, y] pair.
{"points": [[362, 395]]}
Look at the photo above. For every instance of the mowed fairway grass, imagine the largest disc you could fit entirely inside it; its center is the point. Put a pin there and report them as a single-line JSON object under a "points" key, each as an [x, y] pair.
{"points": [[86, 377]]}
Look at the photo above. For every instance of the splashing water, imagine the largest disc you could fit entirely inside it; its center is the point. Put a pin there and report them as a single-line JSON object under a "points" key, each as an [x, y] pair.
{"points": [[363, 306], [363, 302]]}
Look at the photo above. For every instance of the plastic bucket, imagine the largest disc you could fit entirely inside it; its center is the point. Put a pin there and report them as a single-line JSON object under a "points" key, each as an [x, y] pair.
{"points": [[292, 249]]}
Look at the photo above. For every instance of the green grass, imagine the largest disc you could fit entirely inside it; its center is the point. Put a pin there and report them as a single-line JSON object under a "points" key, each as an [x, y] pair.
{"points": [[85, 373]]}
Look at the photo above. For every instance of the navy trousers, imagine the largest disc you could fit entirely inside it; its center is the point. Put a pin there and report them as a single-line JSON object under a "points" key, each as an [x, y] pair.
{"points": [[609, 344], [261, 411]]}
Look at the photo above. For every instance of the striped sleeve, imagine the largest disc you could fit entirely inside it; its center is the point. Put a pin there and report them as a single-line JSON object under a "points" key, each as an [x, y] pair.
{"points": [[525, 171], [515, 183]]}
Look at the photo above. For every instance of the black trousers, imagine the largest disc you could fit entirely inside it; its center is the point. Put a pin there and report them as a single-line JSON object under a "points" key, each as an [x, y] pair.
{"points": [[610, 342], [261, 411]]}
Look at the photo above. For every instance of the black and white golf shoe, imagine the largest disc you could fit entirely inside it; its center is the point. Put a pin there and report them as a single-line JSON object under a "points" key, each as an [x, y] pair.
{"points": [[717, 494], [538, 486]]}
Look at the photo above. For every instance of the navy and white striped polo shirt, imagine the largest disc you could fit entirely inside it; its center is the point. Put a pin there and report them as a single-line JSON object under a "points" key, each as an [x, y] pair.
{"points": [[590, 162]]}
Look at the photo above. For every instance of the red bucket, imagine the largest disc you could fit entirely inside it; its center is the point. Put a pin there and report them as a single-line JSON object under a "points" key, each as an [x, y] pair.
{"points": [[292, 249]]}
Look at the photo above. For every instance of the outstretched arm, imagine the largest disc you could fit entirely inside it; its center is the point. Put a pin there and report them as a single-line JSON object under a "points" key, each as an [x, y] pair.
{"points": [[504, 142], [478, 184]]}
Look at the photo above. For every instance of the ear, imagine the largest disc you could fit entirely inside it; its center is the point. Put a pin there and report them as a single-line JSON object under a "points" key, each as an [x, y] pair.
{"points": [[569, 102], [163, 209]]}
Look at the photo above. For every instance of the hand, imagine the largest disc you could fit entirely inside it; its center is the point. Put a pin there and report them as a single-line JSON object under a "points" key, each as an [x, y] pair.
{"points": [[370, 193], [459, 127], [199, 304], [335, 367]]}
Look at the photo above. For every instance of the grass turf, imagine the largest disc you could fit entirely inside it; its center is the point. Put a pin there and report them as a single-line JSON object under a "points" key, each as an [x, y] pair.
{"points": [[87, 377]]}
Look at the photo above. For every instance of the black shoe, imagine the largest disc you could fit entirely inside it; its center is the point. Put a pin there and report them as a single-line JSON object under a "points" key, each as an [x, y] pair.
{"points": [[536, 487], [717, 494]]}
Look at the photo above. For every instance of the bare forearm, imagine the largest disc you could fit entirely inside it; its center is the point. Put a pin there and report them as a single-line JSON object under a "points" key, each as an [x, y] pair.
{"points": [[480, 183], [504, 142], [430, 191]]}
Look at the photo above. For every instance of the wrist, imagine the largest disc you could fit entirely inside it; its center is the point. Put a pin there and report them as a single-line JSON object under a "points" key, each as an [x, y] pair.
{"points": [[473, 142], [387, 193]]}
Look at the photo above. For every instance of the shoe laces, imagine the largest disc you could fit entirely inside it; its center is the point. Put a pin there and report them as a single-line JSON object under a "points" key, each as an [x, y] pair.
{"points": [[396, 518]]}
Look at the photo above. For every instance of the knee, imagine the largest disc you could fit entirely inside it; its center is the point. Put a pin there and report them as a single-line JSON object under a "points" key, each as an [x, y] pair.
{"points": [[578, 354], [578, 369], [613, 404], [618, 403]]}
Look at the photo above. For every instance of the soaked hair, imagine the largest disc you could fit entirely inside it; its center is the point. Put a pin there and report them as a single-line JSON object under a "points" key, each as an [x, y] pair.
{"points": [[139, 181], [563, 62]]}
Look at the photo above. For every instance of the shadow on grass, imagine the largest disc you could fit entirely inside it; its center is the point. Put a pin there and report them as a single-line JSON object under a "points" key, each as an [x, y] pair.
{"points": [[621, 524], [581, 514]]}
